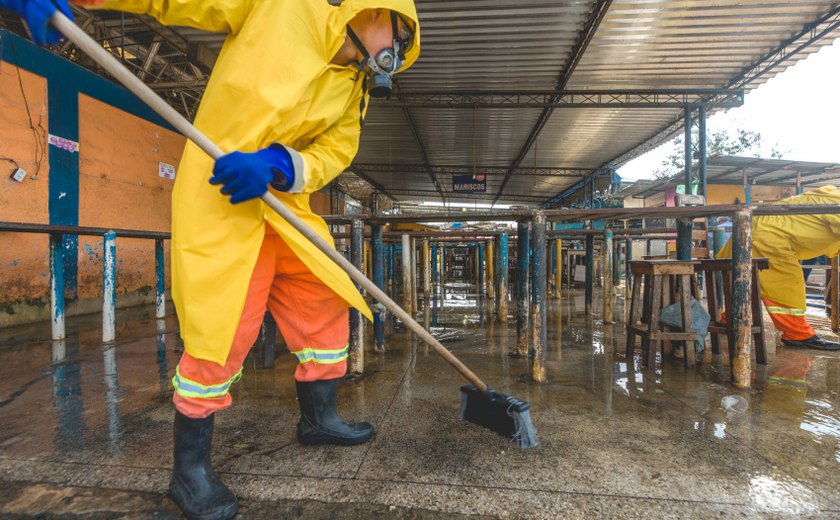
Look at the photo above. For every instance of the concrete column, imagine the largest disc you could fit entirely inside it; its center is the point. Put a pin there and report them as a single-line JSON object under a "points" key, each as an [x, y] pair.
{"points": [[523, 260], [741, 302], [479, 262], [406, 273], [608, 257], [57, 286], [357, 329], [379, 279], [109, 287], [539, 293], [503, 277]]}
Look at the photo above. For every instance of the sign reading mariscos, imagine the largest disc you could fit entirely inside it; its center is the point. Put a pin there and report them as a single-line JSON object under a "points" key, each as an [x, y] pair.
{"points": [[469, 184]]}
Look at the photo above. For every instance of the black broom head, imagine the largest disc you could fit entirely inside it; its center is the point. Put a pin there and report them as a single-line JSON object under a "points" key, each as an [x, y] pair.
{"points": [[504, 414]]}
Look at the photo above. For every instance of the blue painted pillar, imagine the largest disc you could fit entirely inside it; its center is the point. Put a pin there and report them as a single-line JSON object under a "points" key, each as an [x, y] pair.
{"points": [[480, 265], [160, 280], [356, 364], [590, 276], [57, 286], [109, 287], [684, 225], [537, 352], [379, 280], [502, 277], [435, 272], [747, 190], [523, 254]]}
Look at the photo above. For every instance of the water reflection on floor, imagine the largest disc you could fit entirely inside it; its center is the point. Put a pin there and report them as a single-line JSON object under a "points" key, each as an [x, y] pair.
{"points": [[87, 424]]}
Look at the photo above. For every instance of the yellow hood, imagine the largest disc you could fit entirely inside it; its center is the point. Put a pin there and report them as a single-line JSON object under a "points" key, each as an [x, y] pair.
{"points": [[350, 8]]}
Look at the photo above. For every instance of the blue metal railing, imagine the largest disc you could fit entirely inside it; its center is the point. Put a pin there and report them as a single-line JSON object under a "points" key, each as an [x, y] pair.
{"points": [[109, 271]]}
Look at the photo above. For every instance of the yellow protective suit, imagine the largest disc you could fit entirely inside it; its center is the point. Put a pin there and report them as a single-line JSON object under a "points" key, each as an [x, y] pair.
{"points": [[272, 83], [787, 239]]}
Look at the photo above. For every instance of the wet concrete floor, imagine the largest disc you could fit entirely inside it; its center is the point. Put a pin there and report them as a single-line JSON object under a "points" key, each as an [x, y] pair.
{"points": [[85, 429]]}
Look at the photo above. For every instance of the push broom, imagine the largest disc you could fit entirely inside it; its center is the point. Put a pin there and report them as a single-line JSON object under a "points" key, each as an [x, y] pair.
{"points": [[480, 404]]}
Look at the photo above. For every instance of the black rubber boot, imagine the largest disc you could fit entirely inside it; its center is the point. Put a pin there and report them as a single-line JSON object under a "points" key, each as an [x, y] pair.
{"points": [[814, 342], [194, 486], [320, 423]]}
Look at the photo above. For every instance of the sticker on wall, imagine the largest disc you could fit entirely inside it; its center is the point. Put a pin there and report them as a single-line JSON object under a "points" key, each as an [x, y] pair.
{"points": [[64, 144], [167, 171]]}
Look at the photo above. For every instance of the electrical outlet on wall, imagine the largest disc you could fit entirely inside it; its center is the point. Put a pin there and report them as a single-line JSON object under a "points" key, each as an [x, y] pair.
{"points": [[19, 175]]}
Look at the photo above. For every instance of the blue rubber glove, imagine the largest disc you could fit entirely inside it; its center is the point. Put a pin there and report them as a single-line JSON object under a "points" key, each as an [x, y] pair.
{"points": [[37, 15], [246, 176]]}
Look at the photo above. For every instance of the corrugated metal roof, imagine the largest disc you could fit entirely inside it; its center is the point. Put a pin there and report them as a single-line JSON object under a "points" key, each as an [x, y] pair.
{"points": [[491, 45]]}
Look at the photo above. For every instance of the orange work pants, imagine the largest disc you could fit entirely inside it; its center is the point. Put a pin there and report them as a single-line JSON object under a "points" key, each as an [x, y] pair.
{"points": [[790, 322], [312, 318]]}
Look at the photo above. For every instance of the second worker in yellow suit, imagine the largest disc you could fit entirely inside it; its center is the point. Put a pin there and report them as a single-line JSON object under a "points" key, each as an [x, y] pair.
{"points": [[785, 240]]}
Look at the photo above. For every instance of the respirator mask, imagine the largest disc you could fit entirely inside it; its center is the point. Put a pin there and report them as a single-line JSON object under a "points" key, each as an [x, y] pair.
{"points": [[388, 61]]}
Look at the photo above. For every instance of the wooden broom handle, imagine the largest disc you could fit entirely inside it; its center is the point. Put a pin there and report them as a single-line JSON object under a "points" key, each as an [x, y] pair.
{"points": [[107, 61]]}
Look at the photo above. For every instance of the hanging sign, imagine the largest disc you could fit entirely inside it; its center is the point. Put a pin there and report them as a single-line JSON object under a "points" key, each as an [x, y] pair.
{"points": [[469, 184]]}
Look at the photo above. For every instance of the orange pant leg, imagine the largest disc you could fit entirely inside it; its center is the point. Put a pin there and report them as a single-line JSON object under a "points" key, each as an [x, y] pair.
{"points": [[792, 326], [199, 376], [313, 319]]}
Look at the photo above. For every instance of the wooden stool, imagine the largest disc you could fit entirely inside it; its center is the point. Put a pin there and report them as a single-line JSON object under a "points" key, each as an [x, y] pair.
{"points": [[718, 327], [652, 273]]}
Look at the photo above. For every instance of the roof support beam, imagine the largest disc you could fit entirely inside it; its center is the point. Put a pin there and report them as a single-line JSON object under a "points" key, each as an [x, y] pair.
{"points": [[584, 38], [470, 196], [724, 98], [544, 171]]}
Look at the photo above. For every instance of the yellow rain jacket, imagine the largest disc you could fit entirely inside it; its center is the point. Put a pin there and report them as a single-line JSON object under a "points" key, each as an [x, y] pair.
{"points": [[272, 83], [787, 239]]}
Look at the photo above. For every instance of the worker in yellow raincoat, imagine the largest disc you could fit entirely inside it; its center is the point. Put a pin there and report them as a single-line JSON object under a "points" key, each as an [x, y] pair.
{"points": [[287, 98], [785, 240]]}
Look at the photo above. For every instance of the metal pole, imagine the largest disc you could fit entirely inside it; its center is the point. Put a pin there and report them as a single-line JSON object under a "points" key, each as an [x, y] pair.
{"points": [[747, 190], [479, 259], [357, 329], [379, 280], [491, 274], [503, 277], [109, 287], [160, 279], [590, 268], [414, 297], [741, 302], [57, 285], [406, 273], [435, 265], [701, 121], [558, 268], [628, 279], [684, 225], [523, 251], [538, 314], [427, 273], [608, 257]]}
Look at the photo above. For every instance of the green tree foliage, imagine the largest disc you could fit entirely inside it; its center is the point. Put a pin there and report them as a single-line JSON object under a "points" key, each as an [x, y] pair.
{"points": [[744, 142]]}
